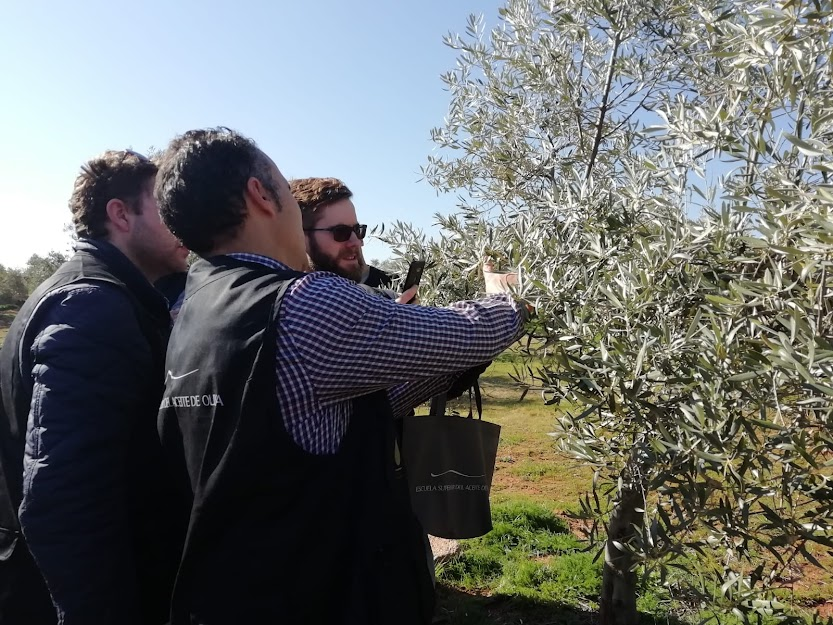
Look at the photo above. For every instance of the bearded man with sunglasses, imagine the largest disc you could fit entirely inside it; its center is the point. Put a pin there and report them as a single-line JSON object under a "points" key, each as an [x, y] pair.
{"points": [[334, 242], [81, 376], [334, 235]]}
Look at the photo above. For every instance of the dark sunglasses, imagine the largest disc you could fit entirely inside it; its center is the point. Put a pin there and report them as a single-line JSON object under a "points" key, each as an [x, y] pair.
{"points": [[341, 233]]}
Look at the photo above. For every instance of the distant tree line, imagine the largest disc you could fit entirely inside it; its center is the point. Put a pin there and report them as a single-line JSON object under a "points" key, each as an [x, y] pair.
{"points": [[17, 284]]}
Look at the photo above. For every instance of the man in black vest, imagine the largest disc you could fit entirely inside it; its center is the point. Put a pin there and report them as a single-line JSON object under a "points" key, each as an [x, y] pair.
{"points": [[81, 375], [334, 236], [279, 403]]}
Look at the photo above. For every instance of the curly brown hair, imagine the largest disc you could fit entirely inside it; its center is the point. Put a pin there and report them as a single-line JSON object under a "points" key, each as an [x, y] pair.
{"points": [[115, 174], [313, 194]]}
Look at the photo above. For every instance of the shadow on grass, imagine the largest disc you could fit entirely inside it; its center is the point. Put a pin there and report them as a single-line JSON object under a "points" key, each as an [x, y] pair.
{"points": [[497, 379], [455, 607], [506, 397]]}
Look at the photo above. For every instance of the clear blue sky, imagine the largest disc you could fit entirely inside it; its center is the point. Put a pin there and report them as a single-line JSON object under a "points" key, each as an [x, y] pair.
{"points": [[327, 88]]}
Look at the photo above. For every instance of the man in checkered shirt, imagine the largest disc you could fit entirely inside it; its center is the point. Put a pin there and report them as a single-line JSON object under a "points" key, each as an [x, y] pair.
{"points": [[280, 396]]}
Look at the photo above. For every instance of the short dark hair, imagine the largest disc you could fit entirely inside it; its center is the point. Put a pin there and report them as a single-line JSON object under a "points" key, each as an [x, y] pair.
{"points": [[314, 194], [201, 183], [122, 174]]}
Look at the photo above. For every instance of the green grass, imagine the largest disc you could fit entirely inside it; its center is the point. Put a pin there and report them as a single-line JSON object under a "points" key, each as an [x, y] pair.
{"points": [[532, 556], [515, 558], [532, 470]]}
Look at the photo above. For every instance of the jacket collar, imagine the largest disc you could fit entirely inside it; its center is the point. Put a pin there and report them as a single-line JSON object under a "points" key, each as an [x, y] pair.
{"points": [[115, 262]]}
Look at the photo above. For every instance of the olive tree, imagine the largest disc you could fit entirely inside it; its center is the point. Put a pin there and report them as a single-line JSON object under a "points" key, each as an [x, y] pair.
{"points": [[657, 173]]}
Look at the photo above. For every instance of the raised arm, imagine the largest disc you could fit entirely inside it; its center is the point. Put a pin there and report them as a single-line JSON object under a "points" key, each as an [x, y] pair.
{"points": [[353, 343]]}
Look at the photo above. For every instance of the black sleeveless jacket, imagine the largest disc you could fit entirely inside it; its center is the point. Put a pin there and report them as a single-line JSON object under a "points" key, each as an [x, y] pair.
{"points": [[278, 535]]}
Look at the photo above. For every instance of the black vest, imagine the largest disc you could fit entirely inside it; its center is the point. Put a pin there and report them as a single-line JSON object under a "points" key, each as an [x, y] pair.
{"points": [[156, 532], [378, 278], [279, 535]]}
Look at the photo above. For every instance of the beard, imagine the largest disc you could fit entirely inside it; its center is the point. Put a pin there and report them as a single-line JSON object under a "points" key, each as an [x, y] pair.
{"points": [[322, 262]]}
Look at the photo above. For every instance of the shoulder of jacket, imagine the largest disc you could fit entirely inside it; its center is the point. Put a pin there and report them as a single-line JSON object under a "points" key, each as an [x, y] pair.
{"points": [[88, 300]]}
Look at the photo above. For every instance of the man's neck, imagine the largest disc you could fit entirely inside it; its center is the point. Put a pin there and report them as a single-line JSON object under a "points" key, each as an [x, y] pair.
{"points": [[150, 273]]}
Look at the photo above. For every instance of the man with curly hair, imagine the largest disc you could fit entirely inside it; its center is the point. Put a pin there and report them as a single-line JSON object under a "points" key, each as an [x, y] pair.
{"points": [[85, 500]]}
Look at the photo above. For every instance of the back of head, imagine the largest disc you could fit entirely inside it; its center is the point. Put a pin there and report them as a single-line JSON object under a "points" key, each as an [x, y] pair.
{"points": [[201, 183], [123, 175], [314, 194]]}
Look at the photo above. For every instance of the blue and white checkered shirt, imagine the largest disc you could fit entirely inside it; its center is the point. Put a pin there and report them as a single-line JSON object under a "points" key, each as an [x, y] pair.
{"points": [[336, 342]]}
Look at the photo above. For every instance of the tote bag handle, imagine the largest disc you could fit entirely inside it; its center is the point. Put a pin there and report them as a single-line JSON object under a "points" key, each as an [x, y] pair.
{"points": [[438, 403], [478, 400]]}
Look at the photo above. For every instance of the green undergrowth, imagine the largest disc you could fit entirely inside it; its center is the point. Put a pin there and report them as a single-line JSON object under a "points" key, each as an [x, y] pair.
{"points": [[531, 554]]}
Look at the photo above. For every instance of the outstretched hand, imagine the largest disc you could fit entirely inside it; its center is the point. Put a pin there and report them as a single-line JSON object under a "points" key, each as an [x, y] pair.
{"points": [[498, 281], [504, 282]]}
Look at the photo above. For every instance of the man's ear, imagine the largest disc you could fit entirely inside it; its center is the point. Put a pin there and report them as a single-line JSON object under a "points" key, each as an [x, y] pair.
{"points": [[260, 197], [118, 214]]}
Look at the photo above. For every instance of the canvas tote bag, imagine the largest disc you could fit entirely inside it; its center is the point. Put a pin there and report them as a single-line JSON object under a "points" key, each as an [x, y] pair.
{"points": [[449, 462]]}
